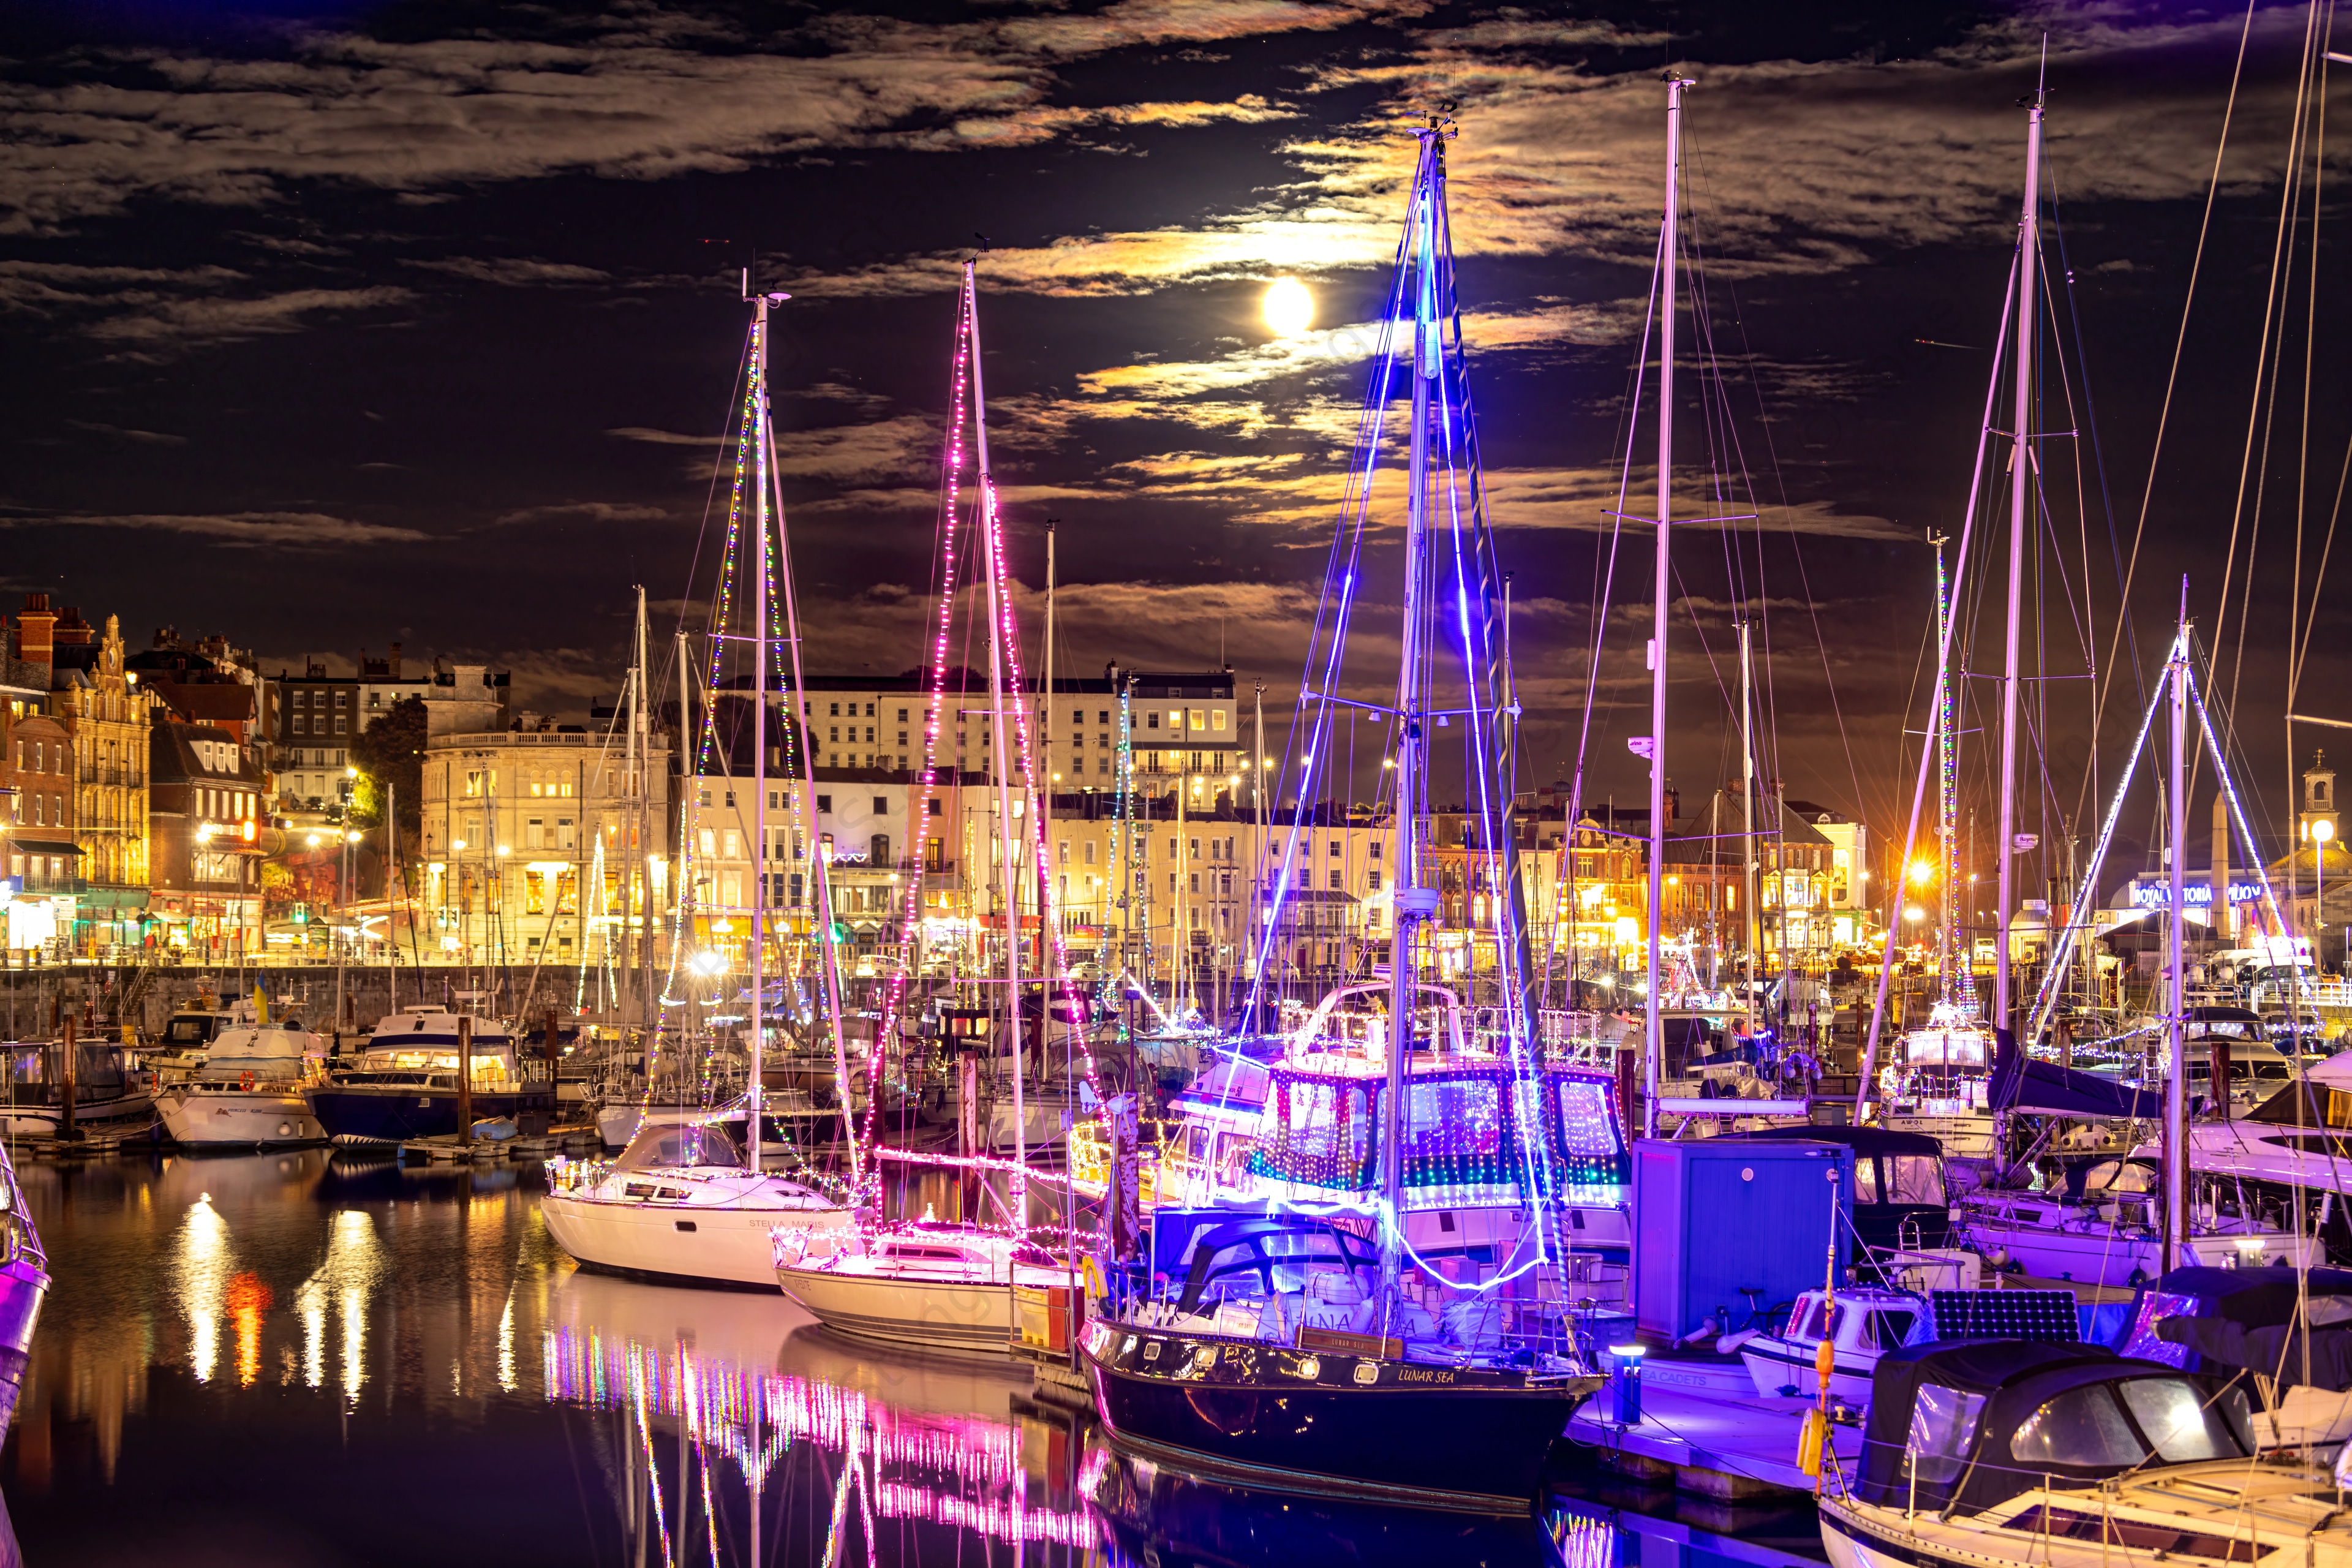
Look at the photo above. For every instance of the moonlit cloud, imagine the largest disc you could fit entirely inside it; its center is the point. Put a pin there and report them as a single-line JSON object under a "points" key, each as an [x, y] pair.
{"points": [[250, 530]]}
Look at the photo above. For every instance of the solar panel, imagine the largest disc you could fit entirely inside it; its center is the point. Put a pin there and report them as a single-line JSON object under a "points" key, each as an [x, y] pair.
{"points": [[2045, 1317]]}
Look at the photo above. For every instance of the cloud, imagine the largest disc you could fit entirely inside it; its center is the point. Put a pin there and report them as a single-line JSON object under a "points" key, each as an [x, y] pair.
{"points": [[664, 438], [641, 93], [585, 512], [141, 437], [247, 530], [156, 310], [514, 272]]}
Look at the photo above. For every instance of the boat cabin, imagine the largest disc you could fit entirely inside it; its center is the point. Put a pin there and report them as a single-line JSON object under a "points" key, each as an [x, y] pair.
{"points": [[1900, 1200], [1964, 1425], [1255, 1260]]}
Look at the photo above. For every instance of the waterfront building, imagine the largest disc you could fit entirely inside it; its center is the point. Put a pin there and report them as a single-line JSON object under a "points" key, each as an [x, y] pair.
{"points": [[41, 872], [313, 716], [1186, 728], [110, 720], [541, 846], [207, 808]]}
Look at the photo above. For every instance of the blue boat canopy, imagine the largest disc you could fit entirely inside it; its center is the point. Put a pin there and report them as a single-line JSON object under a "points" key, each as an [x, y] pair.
{"points": [[2021, 1083]]}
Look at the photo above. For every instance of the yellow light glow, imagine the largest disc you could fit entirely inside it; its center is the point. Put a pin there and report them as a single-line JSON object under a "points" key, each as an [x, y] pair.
{"points": [[1289, 308], [1923, 872]]}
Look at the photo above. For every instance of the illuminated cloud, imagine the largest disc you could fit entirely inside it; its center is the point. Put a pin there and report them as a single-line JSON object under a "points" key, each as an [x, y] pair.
{"points": [[247, 530]]}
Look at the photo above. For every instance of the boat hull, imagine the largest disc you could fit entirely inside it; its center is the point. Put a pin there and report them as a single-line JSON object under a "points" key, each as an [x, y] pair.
{"points": [[1774, 1365], [2090, 1257], [360, 1115], [967, 1318], [1459, 1438], [699, 1245], [131, 1113], [239, 1120]]}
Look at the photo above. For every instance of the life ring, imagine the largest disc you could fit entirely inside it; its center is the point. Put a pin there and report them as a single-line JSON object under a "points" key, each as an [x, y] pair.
{"points": [[244, 1080]]}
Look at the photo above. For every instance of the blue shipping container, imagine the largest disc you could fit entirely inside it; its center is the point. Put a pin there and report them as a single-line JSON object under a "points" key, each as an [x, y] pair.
{"points": [[1730, 1224]]}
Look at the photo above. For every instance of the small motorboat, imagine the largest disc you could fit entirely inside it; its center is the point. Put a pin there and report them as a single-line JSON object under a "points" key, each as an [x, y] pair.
{"points": [[1861, 1325]]}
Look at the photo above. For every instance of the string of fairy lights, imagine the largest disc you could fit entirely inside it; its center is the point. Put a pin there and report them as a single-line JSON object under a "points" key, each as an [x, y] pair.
{"points": [[1960, 975]]}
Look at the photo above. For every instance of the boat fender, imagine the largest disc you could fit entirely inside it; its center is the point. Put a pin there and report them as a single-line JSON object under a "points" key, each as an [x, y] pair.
{"points": [[2138, 1278], [1811, 1439], [1729, 1343]]}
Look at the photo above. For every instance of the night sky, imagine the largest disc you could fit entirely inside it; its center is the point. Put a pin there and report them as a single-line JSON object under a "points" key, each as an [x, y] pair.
{"points": [[329, 326]]}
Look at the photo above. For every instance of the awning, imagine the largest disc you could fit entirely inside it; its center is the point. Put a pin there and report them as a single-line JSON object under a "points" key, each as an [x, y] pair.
{"points": [[2021, 1083], [43, 846]]}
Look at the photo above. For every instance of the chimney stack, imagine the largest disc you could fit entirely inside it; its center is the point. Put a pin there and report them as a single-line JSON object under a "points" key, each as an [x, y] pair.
{"points": [[35, 637]]}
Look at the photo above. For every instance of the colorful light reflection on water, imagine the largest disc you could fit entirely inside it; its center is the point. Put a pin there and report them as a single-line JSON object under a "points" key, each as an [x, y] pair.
{"points": [[293, 1359]]}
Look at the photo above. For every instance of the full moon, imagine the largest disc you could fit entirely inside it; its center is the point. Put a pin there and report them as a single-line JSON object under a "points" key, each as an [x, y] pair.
{"points": [[1289, 308]]}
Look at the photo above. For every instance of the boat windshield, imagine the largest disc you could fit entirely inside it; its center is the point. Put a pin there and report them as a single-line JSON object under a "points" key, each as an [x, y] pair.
{"points": [[2319, 1106], [2088, 1427], [699, 1143], [186, 1030], [1914, 1179]]}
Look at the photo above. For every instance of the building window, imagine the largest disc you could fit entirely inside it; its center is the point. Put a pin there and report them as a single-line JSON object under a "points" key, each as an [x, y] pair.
{"points": [[1217, 720], [1335, 881], [823, 804], [300, 721], [1151, 719]]}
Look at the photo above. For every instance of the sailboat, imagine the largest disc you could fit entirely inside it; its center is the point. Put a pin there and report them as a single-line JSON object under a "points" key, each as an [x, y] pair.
{"points": [[687, 1199], [950, 1284], [1936, 1087], [1295, 1352]]}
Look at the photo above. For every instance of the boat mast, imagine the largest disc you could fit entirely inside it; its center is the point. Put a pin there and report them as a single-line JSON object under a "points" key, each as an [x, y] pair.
{"points": [[998, 698], [1412, 901], [2176, 1084], [760, 565], [2021, 496], [1046, 815], [1652, 1027], [1959, 978], [1751, 915]]}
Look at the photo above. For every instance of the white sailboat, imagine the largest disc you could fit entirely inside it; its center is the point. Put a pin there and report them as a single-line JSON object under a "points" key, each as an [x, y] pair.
{"points": [[686, 1199], [950, 1285]]}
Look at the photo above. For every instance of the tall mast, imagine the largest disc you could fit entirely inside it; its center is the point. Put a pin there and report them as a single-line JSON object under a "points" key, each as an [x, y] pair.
{"points": [[998, 696], [642, 796], [1045, 816], [759, 729], [1427, 351], [2175, 1086], [1653, 1028], [2021, 496], [1751, 918], [1959, 981], [630, 814]]}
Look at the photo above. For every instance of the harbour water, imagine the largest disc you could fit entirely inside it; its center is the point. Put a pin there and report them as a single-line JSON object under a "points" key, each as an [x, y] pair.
{"points": [[306, 1359]]}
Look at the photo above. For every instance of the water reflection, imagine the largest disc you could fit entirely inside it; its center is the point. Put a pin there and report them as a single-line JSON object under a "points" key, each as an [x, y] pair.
{"points": [[366, 1332], [870, 1451]]}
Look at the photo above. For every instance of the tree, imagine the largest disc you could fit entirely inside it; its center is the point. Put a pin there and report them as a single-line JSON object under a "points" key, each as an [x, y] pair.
{"points": [[390, 750]]}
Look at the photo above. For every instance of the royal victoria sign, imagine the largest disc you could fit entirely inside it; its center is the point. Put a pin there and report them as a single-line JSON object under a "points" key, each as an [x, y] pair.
{"points": [[2198, 895]]}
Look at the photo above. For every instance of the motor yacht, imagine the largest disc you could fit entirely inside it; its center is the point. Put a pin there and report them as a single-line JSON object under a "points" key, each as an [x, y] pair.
{"points": [[249, 1093], [404, 1082], [107, 1096]]}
